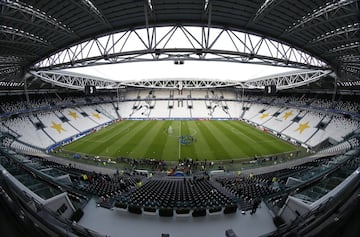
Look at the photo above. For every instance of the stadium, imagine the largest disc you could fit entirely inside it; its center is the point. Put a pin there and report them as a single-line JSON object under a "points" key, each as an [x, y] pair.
{"points": [[149, 118]]}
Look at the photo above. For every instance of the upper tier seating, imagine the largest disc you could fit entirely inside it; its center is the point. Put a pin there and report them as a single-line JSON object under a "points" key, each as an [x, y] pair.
{"points": [[282, 120], [43, 129], [52, 126], [29, 132]]}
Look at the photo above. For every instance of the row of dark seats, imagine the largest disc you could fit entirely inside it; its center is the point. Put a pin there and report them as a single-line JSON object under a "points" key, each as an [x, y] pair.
{"points": [[110, 187], [283, 174], [178, 193], [245, 189]]}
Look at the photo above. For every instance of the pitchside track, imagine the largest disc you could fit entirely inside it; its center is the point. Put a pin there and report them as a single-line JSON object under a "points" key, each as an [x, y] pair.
{"points": [[171, 140]]}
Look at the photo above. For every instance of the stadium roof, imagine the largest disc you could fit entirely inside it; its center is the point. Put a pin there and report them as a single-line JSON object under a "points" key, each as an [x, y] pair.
{"points": [[33, 30]]}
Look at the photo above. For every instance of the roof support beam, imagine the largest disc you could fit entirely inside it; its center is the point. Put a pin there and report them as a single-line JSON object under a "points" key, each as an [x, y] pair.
{"points": [[31, 11], [7, 30], [28, 44], [345, 47], [161, 44], [282, 81], [288, 80], [16, 51], [323, 11], [342, 33], [89, 7], [350, 58], [266, 7]]}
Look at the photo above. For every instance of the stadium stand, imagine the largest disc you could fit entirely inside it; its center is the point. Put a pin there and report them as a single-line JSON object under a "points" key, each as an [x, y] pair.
{"points": [[200, 194], [29, 132], [63, 76], [178, 193], [311, 126]]}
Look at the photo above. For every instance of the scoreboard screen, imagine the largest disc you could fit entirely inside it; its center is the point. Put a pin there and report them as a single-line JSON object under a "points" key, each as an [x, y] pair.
{"points": [[270, 89], [90, 90]]}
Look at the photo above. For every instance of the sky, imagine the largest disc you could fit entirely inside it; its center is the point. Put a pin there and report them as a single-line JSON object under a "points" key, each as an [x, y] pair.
{"points": [[186, 38], [189, 70]]}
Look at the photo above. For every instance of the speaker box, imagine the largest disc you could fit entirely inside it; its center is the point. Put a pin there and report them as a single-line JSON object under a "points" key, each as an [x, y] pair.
{"points": [[230, 233]]}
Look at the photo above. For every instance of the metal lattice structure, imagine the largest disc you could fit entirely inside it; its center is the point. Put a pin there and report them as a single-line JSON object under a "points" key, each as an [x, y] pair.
{"points": [[180, 43], [288, 80], [314, 34], [282, 81]]}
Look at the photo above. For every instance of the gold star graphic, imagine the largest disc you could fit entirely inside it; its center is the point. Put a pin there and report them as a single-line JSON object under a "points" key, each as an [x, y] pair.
{"points": [[57, 126], [96, 115], [302, 127], [73, 114], [264, 115], [287, 114]]}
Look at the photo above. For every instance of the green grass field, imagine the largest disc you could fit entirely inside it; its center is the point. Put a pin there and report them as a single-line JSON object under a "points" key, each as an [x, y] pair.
{"points": [[213, 140]]}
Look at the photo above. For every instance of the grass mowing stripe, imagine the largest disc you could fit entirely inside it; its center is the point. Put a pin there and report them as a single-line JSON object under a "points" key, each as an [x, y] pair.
{"points": [[96, 139], [126, 143], [111, 146], [238, 126], [258, 146], [244, 145], [215, 140], [188, 150], [226, 137], [202, 149], [267, 143], [248, 131], [143, 143], [248, 143], [157, 141], [269, 137], [220, 153], [171, 148], [110, 137]]}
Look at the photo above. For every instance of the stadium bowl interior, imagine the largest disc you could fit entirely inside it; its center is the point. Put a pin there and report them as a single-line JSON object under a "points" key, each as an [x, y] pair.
{"points": [[179, 118]]}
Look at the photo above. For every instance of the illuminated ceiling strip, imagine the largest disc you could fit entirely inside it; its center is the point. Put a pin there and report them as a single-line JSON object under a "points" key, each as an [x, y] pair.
{"points": [[339, 31], [34, 12], [206, 4], [8, 68], [267, 5], [12, 31], [352, 69], [11, 84], [10, 59], [323, 10], [5, 71], [345, 47], [90, 7], [349, 58], [150, 4], [154, 46]]}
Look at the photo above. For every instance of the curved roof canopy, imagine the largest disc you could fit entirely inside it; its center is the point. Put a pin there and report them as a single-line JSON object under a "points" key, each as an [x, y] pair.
{"points": [[282, 81], [33, 30]]}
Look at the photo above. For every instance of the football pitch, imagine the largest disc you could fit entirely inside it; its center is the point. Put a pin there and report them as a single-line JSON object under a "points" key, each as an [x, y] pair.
{"points": [[174, 139]]}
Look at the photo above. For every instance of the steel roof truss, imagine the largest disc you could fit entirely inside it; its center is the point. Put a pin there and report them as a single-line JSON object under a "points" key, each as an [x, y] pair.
{"points": [[282, 81], [323, 11], [30, 13], [288, 80], [131, 44]]}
